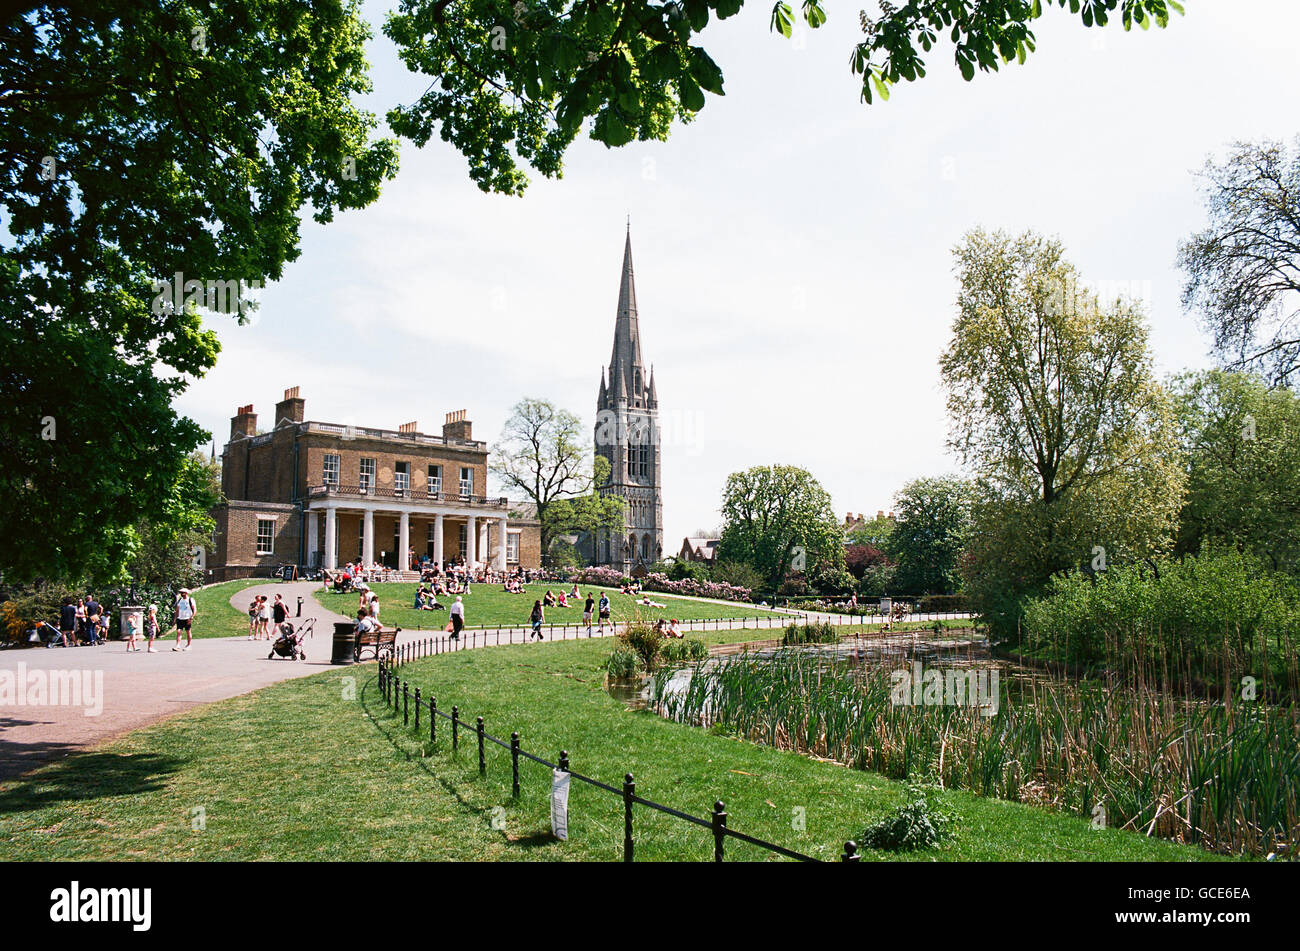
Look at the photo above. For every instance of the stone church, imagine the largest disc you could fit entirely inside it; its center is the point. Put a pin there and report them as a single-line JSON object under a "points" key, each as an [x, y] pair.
{"points": [[627, 435]]}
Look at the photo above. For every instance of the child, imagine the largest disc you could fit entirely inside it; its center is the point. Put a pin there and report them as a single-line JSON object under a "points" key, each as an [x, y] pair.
{"points": [[151, 627], [132, 629]]}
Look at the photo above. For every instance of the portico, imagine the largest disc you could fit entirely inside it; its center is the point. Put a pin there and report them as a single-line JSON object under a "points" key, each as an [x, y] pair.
{"points": [[362, 524]]}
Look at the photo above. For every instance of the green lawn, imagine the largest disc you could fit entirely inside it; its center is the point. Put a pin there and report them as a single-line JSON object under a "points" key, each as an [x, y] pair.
{"points": [[318, 768], [216, 617], [489, 606]]}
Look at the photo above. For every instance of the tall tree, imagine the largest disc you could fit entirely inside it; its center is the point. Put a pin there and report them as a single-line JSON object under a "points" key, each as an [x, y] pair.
{"points": [[513, 83], [1243, 270], [1054, 405], [778, 518], [159, 157], [543, 454], [931, 529], [1241, 440]]}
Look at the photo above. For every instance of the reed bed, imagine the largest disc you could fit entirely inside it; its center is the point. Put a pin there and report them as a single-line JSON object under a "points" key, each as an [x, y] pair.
{"points": [[1224, 775]]}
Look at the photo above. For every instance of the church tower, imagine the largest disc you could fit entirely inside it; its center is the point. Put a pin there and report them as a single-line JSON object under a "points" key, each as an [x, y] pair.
{"points": [[627, 434]]}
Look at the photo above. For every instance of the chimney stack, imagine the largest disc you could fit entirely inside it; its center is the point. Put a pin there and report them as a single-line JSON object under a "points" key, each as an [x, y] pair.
{"points": [[291, 408], [244, 422], [411, 427], [457, 427]]}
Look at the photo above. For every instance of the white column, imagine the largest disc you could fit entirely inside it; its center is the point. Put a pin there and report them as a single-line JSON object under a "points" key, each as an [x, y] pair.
{"points": [[404, 543], [331, 537], [501, 544], [368, 538], [313, 534], [484, 547], [471, 540], [437, 540]]}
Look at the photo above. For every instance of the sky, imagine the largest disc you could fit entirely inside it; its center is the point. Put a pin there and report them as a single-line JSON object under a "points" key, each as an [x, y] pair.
{"points": [[792, 247]]}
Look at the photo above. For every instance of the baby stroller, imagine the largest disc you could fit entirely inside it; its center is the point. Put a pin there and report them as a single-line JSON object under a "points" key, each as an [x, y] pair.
{"points": [[289, 642]]}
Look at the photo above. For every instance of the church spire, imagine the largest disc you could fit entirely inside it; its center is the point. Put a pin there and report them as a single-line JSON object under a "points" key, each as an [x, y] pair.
{"points": [[627, 334]]}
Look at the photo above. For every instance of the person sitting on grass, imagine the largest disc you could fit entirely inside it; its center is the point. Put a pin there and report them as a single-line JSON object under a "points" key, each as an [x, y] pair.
{"points": [[574, 594], [646, 602], [562, 601], [673, 629], [549, 600]]}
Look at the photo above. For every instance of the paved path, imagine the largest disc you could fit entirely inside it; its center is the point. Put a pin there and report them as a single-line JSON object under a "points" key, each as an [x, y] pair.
{"points": [[136, 689]]}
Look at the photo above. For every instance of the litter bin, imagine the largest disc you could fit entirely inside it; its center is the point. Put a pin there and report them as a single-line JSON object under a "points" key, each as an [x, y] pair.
{"points": [[345, 643]]}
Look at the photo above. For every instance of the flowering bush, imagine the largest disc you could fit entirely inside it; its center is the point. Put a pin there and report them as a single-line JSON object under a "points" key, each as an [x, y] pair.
{"points": [[655, 581]]}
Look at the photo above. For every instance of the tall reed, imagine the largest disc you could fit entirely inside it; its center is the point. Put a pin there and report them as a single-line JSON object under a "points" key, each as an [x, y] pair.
{"points": [[1222, 775]]}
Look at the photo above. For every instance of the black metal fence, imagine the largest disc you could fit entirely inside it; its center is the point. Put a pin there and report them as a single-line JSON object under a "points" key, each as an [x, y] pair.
{"points": [[493, 635], [396, 694]]}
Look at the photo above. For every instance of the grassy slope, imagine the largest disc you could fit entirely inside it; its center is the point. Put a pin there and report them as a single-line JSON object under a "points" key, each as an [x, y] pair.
{"points": [[489, 606], [216, 617], [300, 771]]}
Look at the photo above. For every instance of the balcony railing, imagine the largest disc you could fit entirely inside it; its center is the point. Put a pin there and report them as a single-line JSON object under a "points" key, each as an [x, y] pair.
{"points": [[411, 495]]}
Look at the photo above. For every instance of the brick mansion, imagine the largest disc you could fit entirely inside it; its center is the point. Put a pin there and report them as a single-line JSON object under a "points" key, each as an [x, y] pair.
{"points": [[316, 494]]}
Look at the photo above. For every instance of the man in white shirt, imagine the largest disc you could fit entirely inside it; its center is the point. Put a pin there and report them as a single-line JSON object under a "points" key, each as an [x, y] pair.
{"points": [[457, 618]]}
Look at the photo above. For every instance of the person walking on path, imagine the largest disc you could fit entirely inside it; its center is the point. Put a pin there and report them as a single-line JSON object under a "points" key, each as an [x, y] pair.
{"points": [[536, 618], [133, 625], [151, 628], [586, 612], [186, 611], [604, 613], [457, 618], [279, 611], [93, 610], [67, 624]]}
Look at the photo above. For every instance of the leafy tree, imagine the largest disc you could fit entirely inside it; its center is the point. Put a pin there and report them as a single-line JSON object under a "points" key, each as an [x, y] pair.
{"points": [[1241, 441], [1054, 405], [736, 573], [515, 82], [543, 453], [778, 518], [874, 532], [162, 553], [858, 558], [1243, 270], [142, 142], [931, 529]]}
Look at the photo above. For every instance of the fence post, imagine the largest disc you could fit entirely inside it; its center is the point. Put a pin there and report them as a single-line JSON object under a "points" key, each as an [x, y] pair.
{"points": [[406, 704], [433, 719], [514, 756], [629, 790], [850, 852], [455, 727], [482, 764], [417, 708], [719, 829]]}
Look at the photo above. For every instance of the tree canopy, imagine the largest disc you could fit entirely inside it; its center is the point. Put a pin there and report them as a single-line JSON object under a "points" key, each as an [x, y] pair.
{"points": [[512, 83], [544, 455], [777, 519], [931, 529], [1243, 269], [1241, 442], [159, 158], [1054, 405]]}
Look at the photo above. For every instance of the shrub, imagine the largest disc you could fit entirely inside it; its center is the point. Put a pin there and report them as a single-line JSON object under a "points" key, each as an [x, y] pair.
{"points": [[942, 603], [680, 651], [623, 663], [737, 574], [876, 580], [821, 632], [1217, 612], [832, 580], [640, 636], [917, 824]]}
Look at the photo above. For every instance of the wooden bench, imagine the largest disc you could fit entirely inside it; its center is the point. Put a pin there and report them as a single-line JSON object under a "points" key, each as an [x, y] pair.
{"points": [[378, 641]]}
